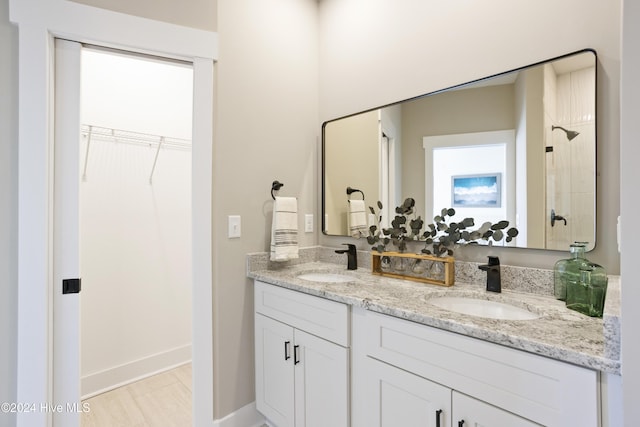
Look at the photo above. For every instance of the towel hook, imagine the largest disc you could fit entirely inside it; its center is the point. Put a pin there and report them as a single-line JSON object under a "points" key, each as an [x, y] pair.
{"points": [[354, 190], [275, 186]]}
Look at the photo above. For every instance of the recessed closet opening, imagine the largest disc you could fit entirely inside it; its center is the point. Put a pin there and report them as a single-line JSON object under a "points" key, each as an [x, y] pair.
{"points": [[135, 220]]}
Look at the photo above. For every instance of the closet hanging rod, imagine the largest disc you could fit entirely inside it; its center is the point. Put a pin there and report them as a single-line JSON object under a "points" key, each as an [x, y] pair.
{"points": [[98, 132]]}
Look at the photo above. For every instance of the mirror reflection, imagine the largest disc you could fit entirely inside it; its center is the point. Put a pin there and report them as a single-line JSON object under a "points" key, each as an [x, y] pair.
{"points": [[519, 146]]}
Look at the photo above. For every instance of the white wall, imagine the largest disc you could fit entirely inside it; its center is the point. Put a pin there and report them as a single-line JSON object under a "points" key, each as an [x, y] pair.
{"points": [[449, 161], [8, 210], [139, 94], [630, 206], [376, 52], [135, 236]]}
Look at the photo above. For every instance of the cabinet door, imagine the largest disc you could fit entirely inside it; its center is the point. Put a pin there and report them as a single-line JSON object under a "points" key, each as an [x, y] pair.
{"points": [[321, 382], [470, 412], [399, 398], [274, 371]]}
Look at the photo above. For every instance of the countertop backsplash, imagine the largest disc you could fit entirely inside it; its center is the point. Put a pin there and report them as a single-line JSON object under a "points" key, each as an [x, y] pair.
{"points": [[518, 279]]}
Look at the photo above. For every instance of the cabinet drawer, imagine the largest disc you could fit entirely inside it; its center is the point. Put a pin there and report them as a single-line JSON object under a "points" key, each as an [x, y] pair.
{"points": [[323, 318], [546, 391]]}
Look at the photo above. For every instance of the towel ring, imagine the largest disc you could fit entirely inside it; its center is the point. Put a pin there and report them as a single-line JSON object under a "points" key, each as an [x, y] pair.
{"points": [[275, 186], [354, 190]]}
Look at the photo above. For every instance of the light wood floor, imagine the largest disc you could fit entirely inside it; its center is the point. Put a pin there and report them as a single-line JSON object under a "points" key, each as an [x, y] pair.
{"points": [[163, 400]]}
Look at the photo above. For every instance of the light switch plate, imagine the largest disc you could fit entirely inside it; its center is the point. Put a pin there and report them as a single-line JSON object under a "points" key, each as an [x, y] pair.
{"points": [[308, 223], [234, 226]]}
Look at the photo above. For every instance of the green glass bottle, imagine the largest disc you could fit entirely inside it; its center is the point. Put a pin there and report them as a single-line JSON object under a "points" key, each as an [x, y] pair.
{"points": [[587, 296], [597, 292], [568, 270]]}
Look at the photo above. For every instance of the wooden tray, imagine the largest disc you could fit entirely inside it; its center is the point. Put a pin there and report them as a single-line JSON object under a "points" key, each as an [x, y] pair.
{"points": [[449, 268]]}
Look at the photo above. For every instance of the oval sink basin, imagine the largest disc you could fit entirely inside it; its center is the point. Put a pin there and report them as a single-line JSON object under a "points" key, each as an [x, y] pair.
{"points": [[325, 277], [483, 308]]}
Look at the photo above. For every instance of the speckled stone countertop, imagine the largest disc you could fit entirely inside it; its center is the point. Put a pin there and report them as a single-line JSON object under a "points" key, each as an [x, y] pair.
{"points": [[558, 333]]}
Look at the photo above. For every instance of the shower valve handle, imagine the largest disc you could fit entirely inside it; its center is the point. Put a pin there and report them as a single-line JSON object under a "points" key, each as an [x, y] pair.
{"points": [[555, 218]]}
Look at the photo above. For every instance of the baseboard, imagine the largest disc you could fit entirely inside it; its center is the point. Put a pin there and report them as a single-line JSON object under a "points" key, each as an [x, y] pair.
{"points": [[100, 382], [247, 416]]}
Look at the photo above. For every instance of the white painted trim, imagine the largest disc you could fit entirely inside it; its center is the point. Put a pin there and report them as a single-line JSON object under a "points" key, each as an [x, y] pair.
{"points": [[86, 24], [612, 400], [39, 22], [34, 227], [202, 249], [127, 373], [247, 416], [66, 234]]}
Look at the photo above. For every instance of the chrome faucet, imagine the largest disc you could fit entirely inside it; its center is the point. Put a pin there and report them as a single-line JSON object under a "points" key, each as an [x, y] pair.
{"points": [[352, 256], [493, 274]]}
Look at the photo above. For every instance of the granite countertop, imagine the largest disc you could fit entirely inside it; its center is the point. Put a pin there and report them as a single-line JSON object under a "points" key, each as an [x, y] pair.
{"points": [[559, 333]]}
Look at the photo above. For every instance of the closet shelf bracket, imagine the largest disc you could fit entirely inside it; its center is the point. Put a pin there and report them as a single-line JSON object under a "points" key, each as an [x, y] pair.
{"points": [[86, 154], [155, 160]]}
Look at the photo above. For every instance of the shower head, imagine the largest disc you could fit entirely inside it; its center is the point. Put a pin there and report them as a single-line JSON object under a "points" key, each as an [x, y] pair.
{"points": [[570, 133]]}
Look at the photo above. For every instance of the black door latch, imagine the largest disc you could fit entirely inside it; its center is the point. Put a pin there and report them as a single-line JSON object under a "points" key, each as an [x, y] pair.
{"points": [[71, 286]]}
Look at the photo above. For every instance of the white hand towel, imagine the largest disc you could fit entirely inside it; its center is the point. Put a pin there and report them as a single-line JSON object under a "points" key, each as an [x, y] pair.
{"points": [[358, 219], [284, 229]]}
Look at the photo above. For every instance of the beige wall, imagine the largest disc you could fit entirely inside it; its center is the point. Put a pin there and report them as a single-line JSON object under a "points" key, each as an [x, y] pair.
{"points": [[420, 51], [473, 110], [188, 13], [267, 128], [532, 90], [8, 210], [351, 152]]}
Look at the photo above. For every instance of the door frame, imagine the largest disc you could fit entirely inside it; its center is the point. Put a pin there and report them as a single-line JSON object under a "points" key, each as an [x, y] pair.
{"points": [[39, 22]]}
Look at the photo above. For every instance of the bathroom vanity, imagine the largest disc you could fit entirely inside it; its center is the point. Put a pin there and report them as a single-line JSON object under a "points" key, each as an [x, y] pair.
{"points": [[299, 339], [361, 350]]}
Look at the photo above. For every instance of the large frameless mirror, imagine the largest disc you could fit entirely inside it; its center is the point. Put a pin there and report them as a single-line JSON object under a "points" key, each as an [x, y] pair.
{"points": [[519, 146]]}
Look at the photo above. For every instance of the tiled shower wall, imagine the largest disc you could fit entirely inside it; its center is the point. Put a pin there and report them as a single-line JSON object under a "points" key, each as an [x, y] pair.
{"points": [[569, 102]]}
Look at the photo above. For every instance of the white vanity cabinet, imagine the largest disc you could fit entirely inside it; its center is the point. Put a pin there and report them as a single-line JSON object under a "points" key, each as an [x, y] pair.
{"points": [[468, 412], [401, 398], [405, 369], [302, 358]]}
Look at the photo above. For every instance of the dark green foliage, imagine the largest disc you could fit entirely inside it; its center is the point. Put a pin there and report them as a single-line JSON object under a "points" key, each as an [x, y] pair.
{"points": [[501, 225], [440, 238], [416, 225]]}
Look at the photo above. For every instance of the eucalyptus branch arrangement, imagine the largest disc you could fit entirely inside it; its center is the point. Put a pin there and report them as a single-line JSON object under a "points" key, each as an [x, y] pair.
{"points": [[440, 238]]}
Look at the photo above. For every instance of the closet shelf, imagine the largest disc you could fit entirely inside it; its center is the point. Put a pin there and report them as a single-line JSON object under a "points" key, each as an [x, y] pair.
{"points": [[93, 133], [126, 136]]}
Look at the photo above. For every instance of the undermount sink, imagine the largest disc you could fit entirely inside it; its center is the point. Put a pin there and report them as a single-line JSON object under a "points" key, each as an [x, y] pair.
{"points": [[483, 308], [326, 277]]}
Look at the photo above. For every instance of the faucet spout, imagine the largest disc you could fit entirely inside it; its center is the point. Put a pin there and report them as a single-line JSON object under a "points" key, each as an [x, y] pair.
{"points": [[493, 274], [352, 256]]}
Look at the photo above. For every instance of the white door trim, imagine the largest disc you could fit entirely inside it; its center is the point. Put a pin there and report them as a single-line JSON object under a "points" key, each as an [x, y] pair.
{"points": [[66, 234], [39, 22]]}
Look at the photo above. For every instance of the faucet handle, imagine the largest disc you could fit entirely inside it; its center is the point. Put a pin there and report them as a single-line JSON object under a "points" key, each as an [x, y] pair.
{"points": [[350, 246], [352, 255], [493, 260]]}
